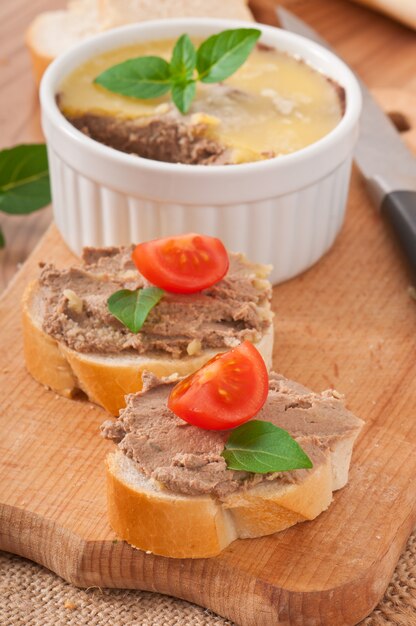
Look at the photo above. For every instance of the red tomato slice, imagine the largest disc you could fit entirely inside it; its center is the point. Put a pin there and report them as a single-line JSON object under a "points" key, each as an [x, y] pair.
{"points": [[182, 264], [227, 391]]}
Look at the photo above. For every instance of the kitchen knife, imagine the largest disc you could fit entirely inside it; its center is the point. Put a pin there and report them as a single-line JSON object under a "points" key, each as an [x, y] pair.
{"points": [[385, 162]]}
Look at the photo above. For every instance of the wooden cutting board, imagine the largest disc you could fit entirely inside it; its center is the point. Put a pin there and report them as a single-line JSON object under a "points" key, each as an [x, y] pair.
{"points": [[348, 323]]}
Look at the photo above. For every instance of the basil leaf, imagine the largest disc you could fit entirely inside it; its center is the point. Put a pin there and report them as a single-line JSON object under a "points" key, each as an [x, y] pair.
{"points": [[150, 77], [262, 447], [143, 77], [24, 179], [183, 60], [133, 307], [183, 94], [221, 55]]}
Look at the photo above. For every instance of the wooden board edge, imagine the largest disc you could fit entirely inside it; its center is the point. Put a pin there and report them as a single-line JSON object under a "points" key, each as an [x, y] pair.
{"points": [[32, 536], [70, 557]]}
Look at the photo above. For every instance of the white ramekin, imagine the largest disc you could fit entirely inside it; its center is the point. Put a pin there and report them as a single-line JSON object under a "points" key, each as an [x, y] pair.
{"points": [[285, 211]]}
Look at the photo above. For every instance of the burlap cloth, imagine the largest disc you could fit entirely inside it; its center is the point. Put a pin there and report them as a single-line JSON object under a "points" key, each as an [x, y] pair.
{"points": [[31, 595]]}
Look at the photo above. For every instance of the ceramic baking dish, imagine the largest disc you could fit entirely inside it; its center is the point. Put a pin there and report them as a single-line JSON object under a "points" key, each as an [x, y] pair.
{"points": [[285, 211]]}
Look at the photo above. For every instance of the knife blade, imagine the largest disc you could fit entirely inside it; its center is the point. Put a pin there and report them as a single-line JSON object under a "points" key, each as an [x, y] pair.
{"points": [[387, 165]]}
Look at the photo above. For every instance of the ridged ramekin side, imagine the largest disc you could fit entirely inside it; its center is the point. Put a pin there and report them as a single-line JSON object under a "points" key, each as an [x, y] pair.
{"points": [[291, 231]]}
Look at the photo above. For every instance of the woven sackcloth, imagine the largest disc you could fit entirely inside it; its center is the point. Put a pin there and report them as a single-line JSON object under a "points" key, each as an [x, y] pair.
{"points": [[31, 595]]}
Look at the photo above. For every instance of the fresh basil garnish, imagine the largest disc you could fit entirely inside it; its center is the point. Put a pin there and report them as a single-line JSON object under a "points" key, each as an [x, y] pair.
{"points": [[221, 55], [131, 308], [143, 77], [216, 59], [183, 94], [24, 180], [183, 60], [262, 447]]}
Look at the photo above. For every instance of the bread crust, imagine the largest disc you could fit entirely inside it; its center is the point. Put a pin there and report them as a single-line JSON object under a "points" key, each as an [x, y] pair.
{"points": [[104, 379], [176, 526]]}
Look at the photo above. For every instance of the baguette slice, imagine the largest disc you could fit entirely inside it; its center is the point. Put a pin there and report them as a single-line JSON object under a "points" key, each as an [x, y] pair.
{"points": [[118, 12], [105, 379], [160, 517], [155, 520], [54, 32]]}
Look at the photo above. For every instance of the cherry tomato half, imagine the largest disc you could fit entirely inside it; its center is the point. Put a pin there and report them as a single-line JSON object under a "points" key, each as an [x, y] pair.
{"points": [[182, 264], [227, 391]]}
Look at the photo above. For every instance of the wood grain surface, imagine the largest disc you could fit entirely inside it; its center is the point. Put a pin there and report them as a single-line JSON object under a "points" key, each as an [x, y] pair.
{"points": [[382, 51], [349, 323]]}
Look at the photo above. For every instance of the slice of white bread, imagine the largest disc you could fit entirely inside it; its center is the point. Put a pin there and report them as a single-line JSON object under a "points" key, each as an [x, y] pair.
{"points": [[147, 513], [118, 12], [155, 520], [54, 32], [105, 379]]}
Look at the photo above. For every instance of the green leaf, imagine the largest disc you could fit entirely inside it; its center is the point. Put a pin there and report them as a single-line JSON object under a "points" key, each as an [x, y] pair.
{"points": [[221, 55], [133, 307], [142, 77], [183, 94], [24, 179], [2, 239], [183, 60], [150, 77], [262, 447]]}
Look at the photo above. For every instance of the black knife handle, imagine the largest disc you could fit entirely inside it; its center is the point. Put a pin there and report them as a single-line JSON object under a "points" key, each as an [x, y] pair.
{"points": [[399, 208]]}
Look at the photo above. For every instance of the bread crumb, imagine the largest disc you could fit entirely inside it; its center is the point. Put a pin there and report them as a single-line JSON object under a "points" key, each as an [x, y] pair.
{"points": [[69, 605], [265, 314], [204, 118], [194, 347], [262, 270], [261, 283], [162, 108], [75, 303], [232, 342]]}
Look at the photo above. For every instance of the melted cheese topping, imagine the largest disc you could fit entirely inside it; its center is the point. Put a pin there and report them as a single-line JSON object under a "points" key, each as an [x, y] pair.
{"points": [[274, 104]]}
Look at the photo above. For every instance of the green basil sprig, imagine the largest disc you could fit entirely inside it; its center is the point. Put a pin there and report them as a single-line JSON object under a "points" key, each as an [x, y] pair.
{"points": [[131, 308], [217, 58], [262, 447], [24, 180]]}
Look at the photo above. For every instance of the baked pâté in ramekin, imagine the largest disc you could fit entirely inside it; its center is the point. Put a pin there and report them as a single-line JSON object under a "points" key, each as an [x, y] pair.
{"points": [[284, 210], [274, 104]]}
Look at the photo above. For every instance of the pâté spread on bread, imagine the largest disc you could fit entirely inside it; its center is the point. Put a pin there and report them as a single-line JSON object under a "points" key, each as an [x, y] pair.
{"points": [[67, 314], [217, 484], [187, 459], [273, 104], [219, 317]]}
